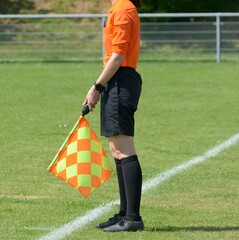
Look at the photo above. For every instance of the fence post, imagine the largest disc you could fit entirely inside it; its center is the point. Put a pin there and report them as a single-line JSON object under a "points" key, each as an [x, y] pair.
{"points": [[218, 37], [103, 26]]}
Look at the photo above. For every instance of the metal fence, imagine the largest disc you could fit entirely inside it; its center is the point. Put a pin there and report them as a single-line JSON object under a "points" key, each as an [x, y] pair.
{"points": [[76, 37]]}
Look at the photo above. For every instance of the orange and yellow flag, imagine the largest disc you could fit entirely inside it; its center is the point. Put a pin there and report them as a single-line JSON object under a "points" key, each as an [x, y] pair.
{"points": [[82, 161]]}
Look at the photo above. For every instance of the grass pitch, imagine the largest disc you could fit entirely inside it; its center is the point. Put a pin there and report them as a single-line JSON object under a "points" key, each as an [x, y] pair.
{"points": [[185, 109]]}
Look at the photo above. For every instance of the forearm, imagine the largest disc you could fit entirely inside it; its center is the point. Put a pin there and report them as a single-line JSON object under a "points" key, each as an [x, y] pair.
{"points": [[108, 72], [110, 69]]}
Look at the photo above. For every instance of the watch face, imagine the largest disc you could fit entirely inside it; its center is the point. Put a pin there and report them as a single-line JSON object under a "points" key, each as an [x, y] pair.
{"points": [[99, 87]]}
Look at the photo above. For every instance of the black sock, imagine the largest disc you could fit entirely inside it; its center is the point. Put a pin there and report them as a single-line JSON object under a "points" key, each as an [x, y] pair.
{"points": [[123, 204], [132, 175]]}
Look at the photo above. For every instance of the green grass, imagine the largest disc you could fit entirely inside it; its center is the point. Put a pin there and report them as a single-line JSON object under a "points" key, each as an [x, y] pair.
{"points": [[185, 109]]}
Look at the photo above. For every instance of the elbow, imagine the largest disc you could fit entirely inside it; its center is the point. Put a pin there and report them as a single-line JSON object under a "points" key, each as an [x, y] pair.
{"points": [[118, 58]]}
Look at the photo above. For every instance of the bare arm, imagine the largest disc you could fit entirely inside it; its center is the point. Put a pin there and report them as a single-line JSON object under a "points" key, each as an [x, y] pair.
{"points": [[111, 68], [108, 72]]}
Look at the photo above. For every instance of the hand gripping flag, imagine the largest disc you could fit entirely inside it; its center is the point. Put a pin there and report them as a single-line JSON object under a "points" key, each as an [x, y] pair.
{"points": [[82, 161]]}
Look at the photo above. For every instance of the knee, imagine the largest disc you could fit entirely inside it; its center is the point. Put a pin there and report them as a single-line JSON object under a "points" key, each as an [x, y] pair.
{"points": [[114, 152], [121, 147]]}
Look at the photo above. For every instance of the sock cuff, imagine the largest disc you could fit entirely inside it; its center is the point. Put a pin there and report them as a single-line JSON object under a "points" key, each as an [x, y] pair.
{"points": [[129, 159], [117, 161]]}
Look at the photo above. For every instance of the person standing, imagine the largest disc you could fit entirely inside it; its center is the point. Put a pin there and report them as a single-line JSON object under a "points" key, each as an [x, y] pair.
{"points": [[119, 88]]}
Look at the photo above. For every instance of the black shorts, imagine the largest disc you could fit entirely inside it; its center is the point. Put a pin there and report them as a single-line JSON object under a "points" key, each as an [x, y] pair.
{"points": [[119, 102]]}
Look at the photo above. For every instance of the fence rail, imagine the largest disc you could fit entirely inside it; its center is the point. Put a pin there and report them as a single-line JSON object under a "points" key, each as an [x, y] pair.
{"points": [[74, 37]]}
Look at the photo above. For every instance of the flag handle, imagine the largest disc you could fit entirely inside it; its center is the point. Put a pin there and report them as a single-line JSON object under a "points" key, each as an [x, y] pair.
{"points": [[85, 110]]}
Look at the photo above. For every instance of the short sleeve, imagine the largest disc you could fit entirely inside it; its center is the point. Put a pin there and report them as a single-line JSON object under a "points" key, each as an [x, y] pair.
{"points": [[121, 33]]}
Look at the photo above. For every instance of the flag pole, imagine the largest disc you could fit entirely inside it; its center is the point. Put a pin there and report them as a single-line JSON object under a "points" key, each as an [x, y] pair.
{"points": [[85, 110], [65, 142]]}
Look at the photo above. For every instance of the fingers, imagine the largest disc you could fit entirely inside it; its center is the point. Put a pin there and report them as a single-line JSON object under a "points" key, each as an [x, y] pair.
{"points": [[92, 98], [84, 103], [92, 105]]}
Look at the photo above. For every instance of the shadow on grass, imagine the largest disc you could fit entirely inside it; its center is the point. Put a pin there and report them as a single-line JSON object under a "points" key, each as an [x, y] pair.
{"points": [[192, 229]]}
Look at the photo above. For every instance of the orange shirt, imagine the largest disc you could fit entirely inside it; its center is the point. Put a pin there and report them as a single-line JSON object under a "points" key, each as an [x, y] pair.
{"points": [[122, 33]]}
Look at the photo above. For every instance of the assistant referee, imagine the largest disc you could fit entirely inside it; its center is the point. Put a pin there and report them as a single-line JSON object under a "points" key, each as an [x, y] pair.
{"points": [[119, 86]]}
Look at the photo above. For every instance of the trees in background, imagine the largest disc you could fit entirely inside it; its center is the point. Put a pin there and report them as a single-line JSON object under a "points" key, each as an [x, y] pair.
{"points": [[15, 6], [93, 6], [189, 6]]}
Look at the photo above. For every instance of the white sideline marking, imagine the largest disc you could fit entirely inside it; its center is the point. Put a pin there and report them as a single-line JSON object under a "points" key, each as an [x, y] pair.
{"points": [[80, 222]]}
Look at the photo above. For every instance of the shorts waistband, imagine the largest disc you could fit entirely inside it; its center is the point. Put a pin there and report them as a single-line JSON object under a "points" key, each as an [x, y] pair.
{"points": [[129, 68]]}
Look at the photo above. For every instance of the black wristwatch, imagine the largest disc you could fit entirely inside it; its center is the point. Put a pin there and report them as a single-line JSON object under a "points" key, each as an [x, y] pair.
{"points": [[99, 87]]}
